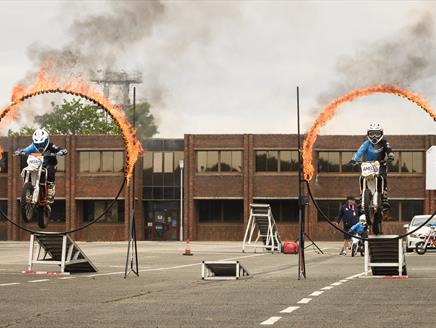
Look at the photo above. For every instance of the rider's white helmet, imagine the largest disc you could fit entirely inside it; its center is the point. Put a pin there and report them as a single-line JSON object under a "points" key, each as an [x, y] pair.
{"points": [[374, 133], [40, 139], [362, 219]]}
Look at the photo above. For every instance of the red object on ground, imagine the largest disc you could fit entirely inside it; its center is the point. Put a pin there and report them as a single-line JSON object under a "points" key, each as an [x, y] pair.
{"points": [[290, 247], [187, 249]]}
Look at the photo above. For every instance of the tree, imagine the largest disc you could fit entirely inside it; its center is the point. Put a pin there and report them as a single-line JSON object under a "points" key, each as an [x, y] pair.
{"points": [[74, 117], [144, 120]]}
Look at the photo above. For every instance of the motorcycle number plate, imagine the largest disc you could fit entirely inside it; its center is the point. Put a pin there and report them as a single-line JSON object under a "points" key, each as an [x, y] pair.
{"points": [[369, 169]]}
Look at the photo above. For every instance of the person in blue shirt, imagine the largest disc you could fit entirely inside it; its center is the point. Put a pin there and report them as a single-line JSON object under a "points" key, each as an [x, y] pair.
{"points": [[376, 148], [360, 227], [41, 144], [349, 214]]}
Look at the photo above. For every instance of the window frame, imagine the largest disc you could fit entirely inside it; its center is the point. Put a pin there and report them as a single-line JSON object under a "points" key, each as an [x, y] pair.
{"points": [[279, 161], [219, 170]]}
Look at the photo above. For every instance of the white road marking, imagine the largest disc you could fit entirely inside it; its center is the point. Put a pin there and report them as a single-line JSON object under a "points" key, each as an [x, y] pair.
{"points": [[327, 287], [10, 284], [40, 280], [270, 321], [64, 278], [336, 283], [290, 309], [304, 301], [343, 280], [317, 293]]}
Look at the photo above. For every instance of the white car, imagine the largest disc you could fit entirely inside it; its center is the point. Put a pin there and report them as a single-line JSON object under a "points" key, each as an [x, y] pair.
{"points": [[418, 235]]}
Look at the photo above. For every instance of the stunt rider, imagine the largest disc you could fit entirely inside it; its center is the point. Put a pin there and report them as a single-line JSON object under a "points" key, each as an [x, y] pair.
{"points": [[42, 145], [376, 149]]}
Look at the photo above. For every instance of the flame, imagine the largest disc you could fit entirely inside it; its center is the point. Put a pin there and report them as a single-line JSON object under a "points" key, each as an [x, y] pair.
{"points": [[329, 111], [78, 87]]}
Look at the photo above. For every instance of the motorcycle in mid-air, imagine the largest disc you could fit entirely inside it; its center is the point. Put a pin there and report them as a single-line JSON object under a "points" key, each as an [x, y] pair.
{"points": [[34, 193], [372, 185]]}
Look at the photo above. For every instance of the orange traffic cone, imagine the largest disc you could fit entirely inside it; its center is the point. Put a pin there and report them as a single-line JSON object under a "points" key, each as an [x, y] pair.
{"points": [[187, 249]]}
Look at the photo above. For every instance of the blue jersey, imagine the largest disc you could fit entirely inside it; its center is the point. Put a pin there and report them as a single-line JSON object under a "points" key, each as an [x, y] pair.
{"points": [[358, 228], [373, 152]]}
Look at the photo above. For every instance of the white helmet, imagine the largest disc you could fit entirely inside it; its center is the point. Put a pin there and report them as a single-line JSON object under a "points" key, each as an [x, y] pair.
{"points": [[40, 139], [362, 219], [374, 133]]}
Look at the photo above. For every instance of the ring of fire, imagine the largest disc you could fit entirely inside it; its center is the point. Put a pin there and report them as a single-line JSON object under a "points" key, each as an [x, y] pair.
{"points": [[78, 87], [329, 111]]}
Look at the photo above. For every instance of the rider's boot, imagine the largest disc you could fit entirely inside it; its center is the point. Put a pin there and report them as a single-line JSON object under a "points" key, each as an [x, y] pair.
{"points": [[385, 201], [51, 191]]}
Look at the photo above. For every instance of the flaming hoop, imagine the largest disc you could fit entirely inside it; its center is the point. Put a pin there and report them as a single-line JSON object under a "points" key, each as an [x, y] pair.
{"points": [[329, 111], [78, 87]]}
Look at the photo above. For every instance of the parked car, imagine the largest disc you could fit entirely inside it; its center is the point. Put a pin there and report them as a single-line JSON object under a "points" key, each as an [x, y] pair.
{"points": [[413, 238]]}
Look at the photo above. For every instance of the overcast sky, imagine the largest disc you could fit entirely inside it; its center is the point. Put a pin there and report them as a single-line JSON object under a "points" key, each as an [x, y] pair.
{"points": [[233, 67]]}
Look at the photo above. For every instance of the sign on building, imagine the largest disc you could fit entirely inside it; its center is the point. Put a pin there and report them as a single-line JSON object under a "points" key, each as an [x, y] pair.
{"points": [[430, 180]]}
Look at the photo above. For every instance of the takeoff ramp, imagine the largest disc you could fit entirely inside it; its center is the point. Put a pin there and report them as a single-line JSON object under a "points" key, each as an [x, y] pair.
{"points": [[385, 256], [60, 249], [262, 221], [223, 270]]}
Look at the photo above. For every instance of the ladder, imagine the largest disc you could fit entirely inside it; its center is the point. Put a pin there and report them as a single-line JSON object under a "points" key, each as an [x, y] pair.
{"points": [[385, 256], [262, 220], [60, 249]]}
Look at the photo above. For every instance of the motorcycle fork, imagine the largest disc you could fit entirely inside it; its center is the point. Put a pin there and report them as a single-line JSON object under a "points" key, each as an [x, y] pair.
{"points": [[43, 185]]}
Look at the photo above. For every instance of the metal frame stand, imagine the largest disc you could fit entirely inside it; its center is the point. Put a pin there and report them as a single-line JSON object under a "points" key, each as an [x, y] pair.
{"points": [[132, 247]]}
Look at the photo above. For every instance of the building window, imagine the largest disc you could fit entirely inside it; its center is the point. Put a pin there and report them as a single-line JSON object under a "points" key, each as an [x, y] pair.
{"points": [[93, 209], [101, 161], [328, 161], [3, 162], [219, 161], [283, 210], [161, 175], [4, 209], [330, 208], [346, 157], [60, 167], [220, 211], [276, 161], [405, 210], [408, 162]]}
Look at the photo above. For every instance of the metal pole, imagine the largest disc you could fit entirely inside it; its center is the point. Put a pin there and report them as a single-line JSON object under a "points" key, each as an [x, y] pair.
{"points": [[301, 259], [181, 164]]}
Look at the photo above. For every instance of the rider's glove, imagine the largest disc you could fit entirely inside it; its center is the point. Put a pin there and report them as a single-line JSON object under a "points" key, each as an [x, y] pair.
{"points": [[391, 157], [17, 152], [352, 162], [61, 152]]}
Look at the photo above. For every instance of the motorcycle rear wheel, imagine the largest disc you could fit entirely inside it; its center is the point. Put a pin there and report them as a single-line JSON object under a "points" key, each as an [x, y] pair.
{"points": [[27, 208], [366, 206], [43, 214]]}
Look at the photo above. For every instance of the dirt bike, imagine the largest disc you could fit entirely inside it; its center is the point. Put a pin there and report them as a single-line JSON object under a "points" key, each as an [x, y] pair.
{"points": [[430, 240], [372, 185], [357, 246], [34, 193]]}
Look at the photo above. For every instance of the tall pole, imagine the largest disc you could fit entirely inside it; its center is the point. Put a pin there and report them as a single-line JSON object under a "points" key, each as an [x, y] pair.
{"points": [[301, 259], [181, 164]]}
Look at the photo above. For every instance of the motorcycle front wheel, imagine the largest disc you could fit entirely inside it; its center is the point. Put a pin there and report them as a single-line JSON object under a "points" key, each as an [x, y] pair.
{"points": [[27, 208], [44, 213], [353, 250], [419, 248]]}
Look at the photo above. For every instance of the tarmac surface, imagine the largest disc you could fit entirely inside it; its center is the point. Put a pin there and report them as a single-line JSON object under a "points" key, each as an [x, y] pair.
{"points": [[169, 291]]}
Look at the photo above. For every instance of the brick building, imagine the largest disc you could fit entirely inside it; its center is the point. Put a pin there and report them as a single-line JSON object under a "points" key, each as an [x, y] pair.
{"points": [[222, 175]]}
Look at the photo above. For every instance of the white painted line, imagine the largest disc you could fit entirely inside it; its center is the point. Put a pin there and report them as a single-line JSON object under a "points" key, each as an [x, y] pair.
{"points": [[336, 283], [290, 309], [317, 293], [10, 284], [327, 288], [64, 278], [304, 301], [343, 280], [270, 321], [40, 280]]}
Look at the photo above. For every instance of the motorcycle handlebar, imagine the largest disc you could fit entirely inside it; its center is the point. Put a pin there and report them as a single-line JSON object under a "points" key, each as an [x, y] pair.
{"points": [[43, 154]]}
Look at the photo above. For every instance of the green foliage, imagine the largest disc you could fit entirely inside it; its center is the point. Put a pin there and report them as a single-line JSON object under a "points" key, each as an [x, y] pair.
{"points": [[74, 117], [144, 120]]}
